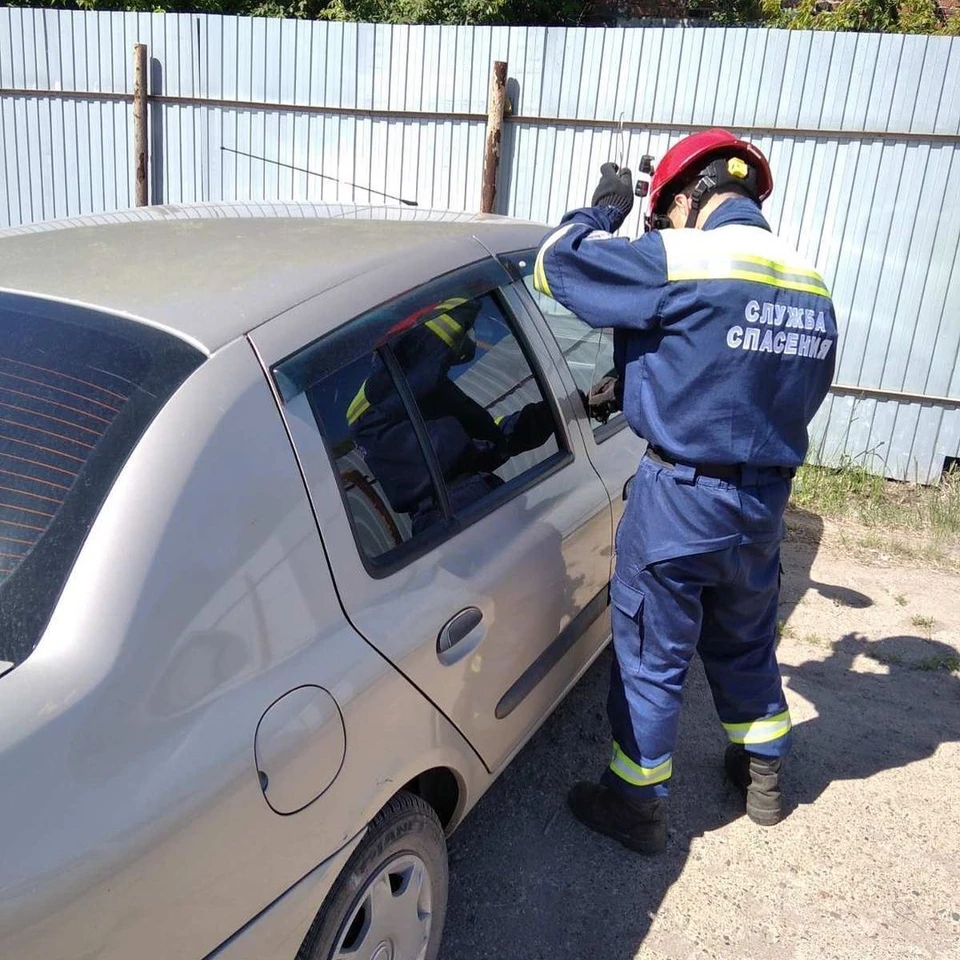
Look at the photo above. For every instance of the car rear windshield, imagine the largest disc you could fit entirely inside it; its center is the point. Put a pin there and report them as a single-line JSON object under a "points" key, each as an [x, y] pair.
{"points": [[77, 390]]}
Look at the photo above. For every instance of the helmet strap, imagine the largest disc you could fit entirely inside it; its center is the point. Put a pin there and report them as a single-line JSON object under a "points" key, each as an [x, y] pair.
{"points": [[695, 200], [717, 176], [706, 186]]}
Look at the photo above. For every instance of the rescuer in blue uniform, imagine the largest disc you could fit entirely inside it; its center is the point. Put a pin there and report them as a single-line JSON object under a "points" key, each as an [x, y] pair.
{"points": [[725, 340]]}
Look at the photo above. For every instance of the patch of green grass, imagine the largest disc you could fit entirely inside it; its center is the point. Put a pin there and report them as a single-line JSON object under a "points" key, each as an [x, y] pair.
{"points": [[899, 599], [922, 623], [851, 492], [948, 663], [889, 546], [837, 491], [784, 630]]}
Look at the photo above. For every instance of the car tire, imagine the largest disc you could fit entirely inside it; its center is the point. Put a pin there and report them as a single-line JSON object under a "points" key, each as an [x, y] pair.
{"points": [[390, 901]]}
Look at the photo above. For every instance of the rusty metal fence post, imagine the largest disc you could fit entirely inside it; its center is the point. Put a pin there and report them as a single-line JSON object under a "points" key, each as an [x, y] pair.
{"points": [[140, 124], [491, 154]]}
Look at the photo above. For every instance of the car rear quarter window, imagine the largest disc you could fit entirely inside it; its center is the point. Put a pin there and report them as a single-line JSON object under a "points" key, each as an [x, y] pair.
{"points": [[77, 390]]}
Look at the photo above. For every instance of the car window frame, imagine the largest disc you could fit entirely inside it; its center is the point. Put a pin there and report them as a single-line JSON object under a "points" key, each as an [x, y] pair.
{"points": [[601, 432], [481, 278]]}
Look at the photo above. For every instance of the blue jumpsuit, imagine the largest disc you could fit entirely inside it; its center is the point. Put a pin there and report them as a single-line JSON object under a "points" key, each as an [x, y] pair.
{"points": [[725, 343]]}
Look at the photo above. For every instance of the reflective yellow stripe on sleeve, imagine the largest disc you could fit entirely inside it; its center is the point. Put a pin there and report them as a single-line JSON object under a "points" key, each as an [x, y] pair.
{"points": [[540, 283], [450, 323], [760, 731], [634, 774], [443, 325], [437, 328], [442, 312], [359, 405]]}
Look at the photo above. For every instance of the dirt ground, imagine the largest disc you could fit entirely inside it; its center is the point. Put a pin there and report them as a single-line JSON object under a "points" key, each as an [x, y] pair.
{"points": [[866, 864]]}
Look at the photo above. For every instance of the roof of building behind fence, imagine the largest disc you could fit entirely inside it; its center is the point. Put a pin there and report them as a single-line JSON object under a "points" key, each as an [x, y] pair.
{"points": [[212, 272]]}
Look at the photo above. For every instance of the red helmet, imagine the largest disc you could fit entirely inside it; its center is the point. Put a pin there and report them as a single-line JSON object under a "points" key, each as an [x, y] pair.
{"points": [[683, 161]]}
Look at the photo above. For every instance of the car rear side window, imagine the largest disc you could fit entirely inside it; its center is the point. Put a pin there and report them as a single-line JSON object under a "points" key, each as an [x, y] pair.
{"points": [[77, 390], [431, 411]]}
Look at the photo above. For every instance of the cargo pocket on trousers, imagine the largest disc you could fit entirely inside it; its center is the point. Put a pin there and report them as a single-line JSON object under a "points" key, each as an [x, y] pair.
{"points": [[627, 623]]}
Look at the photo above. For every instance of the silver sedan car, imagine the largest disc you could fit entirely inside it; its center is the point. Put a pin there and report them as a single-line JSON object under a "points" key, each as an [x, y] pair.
{"points": [[306, 525]]}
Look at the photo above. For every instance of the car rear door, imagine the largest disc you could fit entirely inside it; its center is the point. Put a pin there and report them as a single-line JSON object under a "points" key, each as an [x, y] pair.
{"points": [[469, 535]]}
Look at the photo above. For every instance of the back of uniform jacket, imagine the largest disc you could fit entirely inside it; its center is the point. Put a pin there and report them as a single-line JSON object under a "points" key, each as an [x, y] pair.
{"points": [[725, 337]]}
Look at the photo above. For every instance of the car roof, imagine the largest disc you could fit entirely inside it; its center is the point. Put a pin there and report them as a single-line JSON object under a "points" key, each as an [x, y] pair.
{"points": [[212, 272]]}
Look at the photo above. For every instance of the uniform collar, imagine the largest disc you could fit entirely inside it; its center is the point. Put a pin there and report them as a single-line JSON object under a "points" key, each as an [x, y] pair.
{"points": [[736, 210]]}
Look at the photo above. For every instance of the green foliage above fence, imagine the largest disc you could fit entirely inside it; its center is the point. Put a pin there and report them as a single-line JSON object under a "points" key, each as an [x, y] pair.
{"points": [[858, 16], [862, 16], [502, 12]]}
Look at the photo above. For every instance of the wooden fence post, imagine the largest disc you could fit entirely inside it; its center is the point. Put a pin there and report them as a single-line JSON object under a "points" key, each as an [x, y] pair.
{"points": [[140, 124], [491, 155]]}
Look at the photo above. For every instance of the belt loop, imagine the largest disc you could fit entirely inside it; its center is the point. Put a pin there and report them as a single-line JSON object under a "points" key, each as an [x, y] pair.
{"points": [[684, 473]]}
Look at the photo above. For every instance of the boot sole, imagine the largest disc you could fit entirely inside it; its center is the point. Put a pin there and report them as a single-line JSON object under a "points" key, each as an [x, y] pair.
{"points": [[763, 817]]}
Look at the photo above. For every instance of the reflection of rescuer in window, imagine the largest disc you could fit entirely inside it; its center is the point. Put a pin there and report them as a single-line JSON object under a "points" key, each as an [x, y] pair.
{"points": [[724, 343], [469, 443]]}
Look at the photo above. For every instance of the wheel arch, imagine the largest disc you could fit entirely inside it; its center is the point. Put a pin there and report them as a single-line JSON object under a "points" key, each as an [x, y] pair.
{"points": [[444, 790]]}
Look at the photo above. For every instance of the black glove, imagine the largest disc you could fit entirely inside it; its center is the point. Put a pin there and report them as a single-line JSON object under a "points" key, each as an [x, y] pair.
{"points": [[615, 189], [603, 401]]}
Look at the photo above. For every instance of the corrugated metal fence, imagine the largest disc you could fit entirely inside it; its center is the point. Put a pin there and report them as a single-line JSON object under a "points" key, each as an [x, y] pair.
{"points": [[863, 132]]}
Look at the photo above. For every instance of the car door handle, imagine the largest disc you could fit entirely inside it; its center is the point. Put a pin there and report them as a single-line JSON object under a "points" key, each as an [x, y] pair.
{"points": [[460, 635]]}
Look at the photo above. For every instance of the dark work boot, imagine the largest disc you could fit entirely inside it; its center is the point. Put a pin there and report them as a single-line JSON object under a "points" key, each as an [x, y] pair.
{"points": [[640, 825], [758, 779]]}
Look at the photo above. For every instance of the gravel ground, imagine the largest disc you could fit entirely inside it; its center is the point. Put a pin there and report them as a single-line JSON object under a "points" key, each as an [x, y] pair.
{"points": [[866, 864]]}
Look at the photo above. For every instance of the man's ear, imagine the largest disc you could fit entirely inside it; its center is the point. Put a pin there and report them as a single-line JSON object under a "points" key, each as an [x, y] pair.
{"points": [[680, 203]]}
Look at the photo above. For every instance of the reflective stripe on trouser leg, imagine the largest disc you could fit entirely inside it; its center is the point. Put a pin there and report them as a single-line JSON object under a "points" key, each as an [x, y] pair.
{"points": [[637, 775], [738, 650], [640, 782], [656, 623], [756, 732]]}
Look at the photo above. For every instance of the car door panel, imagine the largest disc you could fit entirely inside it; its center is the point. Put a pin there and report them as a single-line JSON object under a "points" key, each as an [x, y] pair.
{"points": [[532, 568]]}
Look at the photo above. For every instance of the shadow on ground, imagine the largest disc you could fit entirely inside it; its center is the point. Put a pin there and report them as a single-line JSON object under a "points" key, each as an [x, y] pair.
{"points": [[529, 883]]}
